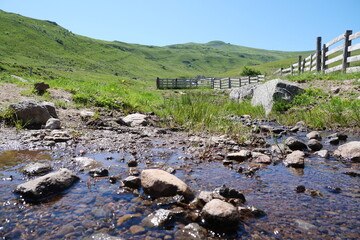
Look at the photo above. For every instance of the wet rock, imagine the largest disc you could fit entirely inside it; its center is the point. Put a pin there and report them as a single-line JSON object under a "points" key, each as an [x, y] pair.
{"points": [[267, 93], [65, 229], [169, 200], [314, 145], [226, 162], [86, 163], [353, 173], [251, 211], [136, 229], [158, 218], [333, 189], [295, 159], [170, 170], [334, 141], [304, 225], [102, 236], [33, 169], [349, 151], [314, 135], [260, 158], [314, 193], [295, 144], [159, 183], [99, 172], [134, 171], [241, 156], [47, 185], [266, 128], [323, 153], [102, 212], [136, 119], [132, 163], [205, 196], [53, 123], [132, 182], [191, 231], [220, 215], [32, 113], [300, 189], [227, 192]]}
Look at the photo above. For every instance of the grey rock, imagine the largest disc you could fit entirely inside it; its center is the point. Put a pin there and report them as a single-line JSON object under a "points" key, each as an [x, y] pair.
{"points": [[334, 141], [266, 94], [295, 144], [53, 123], [36, 169], [102, 212], [132, 182], [136, 119], [260, 158], [159, 183], [228, 192], [191, 231], [349, 151], [86, 115], [102, 236], [99, 172], [51, 109], [32, 113], [314, 135], [295, 159], [323, 153], [158, 218], [241, 156], [47, 185], [304, 225], [314, 145], [220, 215], [340, 136], [86, 163], [245, 92]]}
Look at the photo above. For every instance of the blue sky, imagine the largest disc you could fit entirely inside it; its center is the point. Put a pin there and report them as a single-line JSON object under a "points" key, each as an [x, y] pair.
{"points": [[286, 25]]}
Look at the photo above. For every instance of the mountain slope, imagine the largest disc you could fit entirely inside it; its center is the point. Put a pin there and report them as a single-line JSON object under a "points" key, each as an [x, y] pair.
{"points": [[44, 45]]}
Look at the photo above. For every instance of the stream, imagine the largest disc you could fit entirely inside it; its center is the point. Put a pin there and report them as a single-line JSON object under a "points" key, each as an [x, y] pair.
{"points": [[329, 210]]}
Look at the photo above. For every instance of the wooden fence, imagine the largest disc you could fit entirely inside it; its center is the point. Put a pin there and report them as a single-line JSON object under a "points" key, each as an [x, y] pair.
{"points": [[329, 58], [207, 82]]}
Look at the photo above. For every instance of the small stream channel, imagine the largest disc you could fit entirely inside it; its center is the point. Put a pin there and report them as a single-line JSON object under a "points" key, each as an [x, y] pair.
{"points": [[95, 205]]}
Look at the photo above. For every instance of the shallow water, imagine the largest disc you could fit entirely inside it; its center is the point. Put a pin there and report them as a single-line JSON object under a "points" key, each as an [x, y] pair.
{"points": [[95, 205]]}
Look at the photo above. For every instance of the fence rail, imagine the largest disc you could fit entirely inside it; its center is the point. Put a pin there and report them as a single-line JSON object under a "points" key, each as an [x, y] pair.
{"points": [[329, 58], [207, 82]]}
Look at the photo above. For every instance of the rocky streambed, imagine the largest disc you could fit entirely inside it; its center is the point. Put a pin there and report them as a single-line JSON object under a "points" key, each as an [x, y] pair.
{"points": [[278, 184]]}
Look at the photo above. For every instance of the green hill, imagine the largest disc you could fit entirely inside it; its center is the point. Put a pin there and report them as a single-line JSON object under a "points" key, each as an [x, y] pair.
{"points": [[50, 49]]}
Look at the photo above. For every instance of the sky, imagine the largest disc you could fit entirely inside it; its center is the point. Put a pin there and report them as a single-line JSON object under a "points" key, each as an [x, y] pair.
{"points": [[286, 25]]}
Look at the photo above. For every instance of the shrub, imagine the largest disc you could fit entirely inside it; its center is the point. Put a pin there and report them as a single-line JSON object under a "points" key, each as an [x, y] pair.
{"points": [[250, 72]]}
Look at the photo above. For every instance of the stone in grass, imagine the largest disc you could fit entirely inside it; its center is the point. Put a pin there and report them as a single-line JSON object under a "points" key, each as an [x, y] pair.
{"points": [[220, 215], [159, 183], [47, 185]]}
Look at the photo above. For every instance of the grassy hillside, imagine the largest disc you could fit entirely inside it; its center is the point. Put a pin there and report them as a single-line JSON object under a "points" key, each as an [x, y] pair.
{"points": [[46, 46]]}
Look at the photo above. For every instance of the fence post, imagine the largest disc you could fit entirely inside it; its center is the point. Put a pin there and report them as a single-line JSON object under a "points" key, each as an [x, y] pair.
{"points": [[299, 65], [346, 54], [212, 83], [311, 62], [303, 65], [249, 79], [292, 69], [220, 83], [318, 54], [239, 81], [157, 82], [281, 70], [229, 83], [324, 58]]}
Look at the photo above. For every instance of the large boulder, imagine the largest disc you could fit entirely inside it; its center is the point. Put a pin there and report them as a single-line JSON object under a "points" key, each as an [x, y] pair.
{"points": [[266, 94], [47, 185], [245, 92], [32, 113], [221, 215], [349, 151], [159, 183]]}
